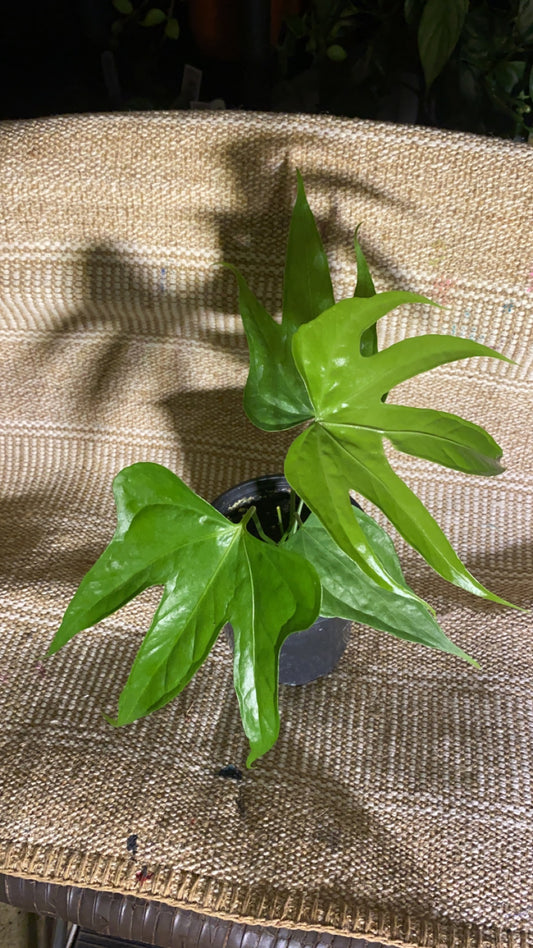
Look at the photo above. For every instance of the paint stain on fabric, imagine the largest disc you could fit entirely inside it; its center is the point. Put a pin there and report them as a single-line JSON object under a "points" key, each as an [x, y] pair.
{"points": [[442, 290], [438, 251], [142, 875], [466, 330]]}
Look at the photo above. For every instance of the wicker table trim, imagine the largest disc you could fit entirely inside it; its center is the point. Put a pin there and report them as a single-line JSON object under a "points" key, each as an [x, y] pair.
{"points": [[157, 923]]}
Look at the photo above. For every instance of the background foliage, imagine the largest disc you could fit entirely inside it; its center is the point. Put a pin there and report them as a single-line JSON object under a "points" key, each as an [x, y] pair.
{"points": [[457, 64], [461, 64]]}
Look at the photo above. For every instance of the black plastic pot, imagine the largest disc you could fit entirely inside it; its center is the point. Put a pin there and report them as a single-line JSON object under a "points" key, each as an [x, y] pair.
{"points": [[313, 652]]}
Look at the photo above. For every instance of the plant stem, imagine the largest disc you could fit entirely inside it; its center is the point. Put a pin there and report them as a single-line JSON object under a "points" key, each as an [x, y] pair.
{"points": [[295, 519], [252, 514], [298, 522], [292, 507], [249, 515]]}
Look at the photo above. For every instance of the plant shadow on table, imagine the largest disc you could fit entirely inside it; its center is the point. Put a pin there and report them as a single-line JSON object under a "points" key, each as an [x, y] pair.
{"points": [[401, 765], [228, 432], [127, 301], [254, 239], [506, 573], [32, 527], [80, 366]]}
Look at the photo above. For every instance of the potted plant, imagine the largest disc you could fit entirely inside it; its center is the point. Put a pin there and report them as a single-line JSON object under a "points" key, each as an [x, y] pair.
{"points": [[320, 368]]}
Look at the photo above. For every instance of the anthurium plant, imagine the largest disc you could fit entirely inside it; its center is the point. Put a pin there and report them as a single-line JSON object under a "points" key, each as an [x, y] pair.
{"points": [[319, 366]]}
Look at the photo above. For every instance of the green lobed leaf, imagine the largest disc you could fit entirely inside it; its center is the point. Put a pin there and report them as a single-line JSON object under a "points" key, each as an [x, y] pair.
{"points": [[321, 473], [438, 32], [441, 437], [213, 572], [307, 289], [347, 591], [144, 484], [363, 466], [340, 363], [343, 449], [277, 593], [275, 397]]}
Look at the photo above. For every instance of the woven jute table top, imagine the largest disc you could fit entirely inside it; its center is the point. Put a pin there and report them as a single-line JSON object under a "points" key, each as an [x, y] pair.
{"points": [[398, 799]]}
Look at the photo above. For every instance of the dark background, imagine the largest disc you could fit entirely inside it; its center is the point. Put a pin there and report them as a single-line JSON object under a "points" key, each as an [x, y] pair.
{"points": [[346, 58]]}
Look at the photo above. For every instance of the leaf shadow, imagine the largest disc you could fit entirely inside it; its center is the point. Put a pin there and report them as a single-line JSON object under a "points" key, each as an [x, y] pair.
{"points": [[224, 424], [121, 298], [46, 543], [254, 238], [506, 573], [121, 302]]}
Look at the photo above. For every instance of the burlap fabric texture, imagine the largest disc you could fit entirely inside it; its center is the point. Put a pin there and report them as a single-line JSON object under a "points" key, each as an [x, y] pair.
{"points": [[397, 801]]}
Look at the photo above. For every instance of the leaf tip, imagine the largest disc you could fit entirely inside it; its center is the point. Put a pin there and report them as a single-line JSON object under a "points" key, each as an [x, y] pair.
{"points": [[492, 597], [251, 759], [300, 188], [54, 646], [471, 661]]}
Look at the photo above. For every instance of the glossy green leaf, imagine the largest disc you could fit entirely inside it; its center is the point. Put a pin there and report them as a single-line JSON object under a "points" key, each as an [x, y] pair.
{"points": [[439, 30], [275, 397], [143, 485], [347, 591], [343, 449], [307, 289], [213, 572], [323, 474]]}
